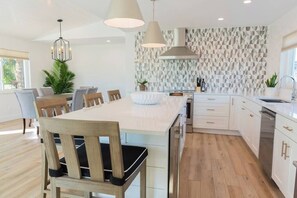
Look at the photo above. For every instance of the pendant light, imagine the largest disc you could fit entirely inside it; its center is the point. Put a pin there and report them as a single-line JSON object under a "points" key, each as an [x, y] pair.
{"points": [[61, 49], [153, 37], [124, 14]]}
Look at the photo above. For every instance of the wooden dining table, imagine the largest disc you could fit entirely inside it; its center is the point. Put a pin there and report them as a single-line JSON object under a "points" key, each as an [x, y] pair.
{"points": [[68, 96]]}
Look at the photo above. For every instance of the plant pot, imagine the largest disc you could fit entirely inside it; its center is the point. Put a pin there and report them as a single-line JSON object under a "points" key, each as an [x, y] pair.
{"points": [[271, 92], [142, 87]]}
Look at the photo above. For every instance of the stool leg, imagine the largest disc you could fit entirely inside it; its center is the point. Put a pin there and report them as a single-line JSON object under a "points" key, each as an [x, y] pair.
{"points": [[143, 180], [24, 125], [44, 172], [55, 191]]}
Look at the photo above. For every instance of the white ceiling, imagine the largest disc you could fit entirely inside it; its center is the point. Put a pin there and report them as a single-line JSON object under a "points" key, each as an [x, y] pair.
{"points": [[36, 19]]}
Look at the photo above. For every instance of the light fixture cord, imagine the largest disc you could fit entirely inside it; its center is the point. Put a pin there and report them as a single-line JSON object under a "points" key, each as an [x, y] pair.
{"points": [[153, 10], [60, 29]]}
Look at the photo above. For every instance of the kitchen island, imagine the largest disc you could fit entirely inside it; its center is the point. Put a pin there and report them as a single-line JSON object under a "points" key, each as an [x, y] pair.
{"points": [[148, 126]]}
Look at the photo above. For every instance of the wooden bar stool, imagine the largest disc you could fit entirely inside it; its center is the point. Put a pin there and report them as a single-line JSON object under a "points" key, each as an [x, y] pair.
{"points": [[114, 95], [92, 167], [93, 99]]}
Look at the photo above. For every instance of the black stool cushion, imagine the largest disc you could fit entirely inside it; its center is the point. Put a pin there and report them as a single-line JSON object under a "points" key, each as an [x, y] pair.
{"points": [[133, 157]]}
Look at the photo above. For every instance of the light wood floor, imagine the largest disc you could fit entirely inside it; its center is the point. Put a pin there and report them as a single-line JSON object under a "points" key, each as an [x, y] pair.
{"points": [[222, 167], [212, 166]]}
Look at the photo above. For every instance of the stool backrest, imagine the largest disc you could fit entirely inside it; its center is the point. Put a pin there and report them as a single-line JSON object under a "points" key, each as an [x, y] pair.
{"points": [[91, 131], [93, 99], [51, 107], [114, 95]]}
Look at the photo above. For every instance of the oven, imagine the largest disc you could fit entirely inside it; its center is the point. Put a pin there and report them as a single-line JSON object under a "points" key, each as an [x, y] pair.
{"points": [[189, 108]]}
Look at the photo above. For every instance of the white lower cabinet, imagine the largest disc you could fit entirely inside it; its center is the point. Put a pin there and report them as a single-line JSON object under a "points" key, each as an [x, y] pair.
{"points": [[284, 153]]}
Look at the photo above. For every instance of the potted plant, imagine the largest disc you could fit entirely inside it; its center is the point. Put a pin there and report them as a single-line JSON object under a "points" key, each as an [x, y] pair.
{"points": [[60, 78], [271, 83], [142, 84]]}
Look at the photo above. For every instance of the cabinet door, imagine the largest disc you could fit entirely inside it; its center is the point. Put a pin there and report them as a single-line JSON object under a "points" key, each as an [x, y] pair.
{"points": [[281, 163], [292, 169], [242, 121], [254, 132], [234, 113]]}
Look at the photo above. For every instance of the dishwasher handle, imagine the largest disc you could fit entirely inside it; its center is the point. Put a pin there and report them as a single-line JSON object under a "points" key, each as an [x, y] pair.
{"points": [[267, 115]]}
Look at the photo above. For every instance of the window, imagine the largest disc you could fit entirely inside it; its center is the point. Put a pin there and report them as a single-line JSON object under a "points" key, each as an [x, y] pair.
{"points": [[14, 70]]}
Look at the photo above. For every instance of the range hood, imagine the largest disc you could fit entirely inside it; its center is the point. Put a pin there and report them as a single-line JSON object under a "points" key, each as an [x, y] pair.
{"points": [[179, 50]]}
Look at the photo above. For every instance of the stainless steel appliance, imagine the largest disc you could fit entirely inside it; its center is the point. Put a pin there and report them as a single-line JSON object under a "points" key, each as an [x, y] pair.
{"points": [[189, 108], [266, 139], [174, 158]]}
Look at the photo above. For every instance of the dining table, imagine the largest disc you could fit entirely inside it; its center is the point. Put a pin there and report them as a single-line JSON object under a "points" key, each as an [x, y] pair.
{"points": [[67, 96]]}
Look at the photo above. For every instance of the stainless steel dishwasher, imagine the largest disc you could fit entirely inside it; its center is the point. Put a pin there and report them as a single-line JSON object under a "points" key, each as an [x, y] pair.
{"points": [[266, 139], [174, 145]]}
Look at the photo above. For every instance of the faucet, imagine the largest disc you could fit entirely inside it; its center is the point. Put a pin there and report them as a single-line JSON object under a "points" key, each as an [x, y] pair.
{"points": [[293, 97]]}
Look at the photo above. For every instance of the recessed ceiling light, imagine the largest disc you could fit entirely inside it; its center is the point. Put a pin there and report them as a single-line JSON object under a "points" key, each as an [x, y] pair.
{"points": [[247, 1], [221, 19], [108, 41]]}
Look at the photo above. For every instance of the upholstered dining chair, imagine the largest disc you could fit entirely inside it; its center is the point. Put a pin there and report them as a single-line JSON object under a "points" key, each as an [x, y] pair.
{"points": [[93, 99], [35, 91], [93, 166], [114, 95], [26, 100], [92, 90], [46, 91], [51, 108], [77, 99]]}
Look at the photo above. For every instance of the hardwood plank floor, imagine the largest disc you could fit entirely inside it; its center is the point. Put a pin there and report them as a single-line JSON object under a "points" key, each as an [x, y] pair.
{"points": [[219, 166], [212, 166]]}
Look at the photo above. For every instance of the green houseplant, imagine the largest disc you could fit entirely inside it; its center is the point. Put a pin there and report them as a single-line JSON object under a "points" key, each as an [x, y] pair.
{"points": [[270, 85], [60, 78], [142, 84]]}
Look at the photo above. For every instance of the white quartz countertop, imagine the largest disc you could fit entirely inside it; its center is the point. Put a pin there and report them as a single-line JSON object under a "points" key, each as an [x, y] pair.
{"points": [[288, 110], [133, 118]]}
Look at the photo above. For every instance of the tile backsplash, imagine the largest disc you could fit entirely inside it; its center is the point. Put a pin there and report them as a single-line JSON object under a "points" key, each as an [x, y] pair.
{"points": [[230, 60]]}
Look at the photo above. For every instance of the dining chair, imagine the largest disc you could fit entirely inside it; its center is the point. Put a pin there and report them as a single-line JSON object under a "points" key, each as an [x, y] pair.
{"points": [[78, 99], [114, 95], [26, 100], [93, 99], [51, 108], [93, 166], [35, 91], [92, 90], [46, 91]]}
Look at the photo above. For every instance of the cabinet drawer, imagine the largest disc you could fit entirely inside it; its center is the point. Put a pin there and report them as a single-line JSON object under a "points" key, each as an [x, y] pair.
{"points": [[211, 99], [211, 122], [286, 126], [206, 109]]}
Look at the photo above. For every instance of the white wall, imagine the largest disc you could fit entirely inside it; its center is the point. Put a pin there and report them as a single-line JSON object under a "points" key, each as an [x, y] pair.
{"points": [[99, 65], [40, 59], [277, 30]]}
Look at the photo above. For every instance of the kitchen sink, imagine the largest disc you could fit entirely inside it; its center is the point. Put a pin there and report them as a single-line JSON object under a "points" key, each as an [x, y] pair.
{"points": [[274, 100]]}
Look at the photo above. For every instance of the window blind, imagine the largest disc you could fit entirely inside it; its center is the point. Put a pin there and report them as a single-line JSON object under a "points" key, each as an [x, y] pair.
{"points": [[290, 41], [14, 54]]}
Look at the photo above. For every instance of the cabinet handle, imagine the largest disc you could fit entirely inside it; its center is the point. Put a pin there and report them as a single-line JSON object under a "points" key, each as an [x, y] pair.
{"points": [[211, 99], [232, 101], [283, 143], [210, 122], [286, 150], [288, 128], [243, 101], [242, 108], [251, 115], [210, 109]]}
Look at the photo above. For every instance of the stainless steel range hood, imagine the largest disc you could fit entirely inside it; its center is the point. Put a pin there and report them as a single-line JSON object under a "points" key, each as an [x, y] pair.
{"points": [[179, 50]]}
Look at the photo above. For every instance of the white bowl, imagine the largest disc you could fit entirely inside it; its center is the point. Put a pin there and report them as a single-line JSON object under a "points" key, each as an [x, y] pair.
{"points": [[147, 98]]}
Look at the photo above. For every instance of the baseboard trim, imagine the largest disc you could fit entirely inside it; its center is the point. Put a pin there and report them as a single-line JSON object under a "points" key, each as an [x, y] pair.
{"points": [[216, 131], [10, 117]]}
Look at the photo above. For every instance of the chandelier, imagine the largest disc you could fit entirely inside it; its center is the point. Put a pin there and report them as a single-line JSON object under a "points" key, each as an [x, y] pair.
{"points": [[61, 49]]}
